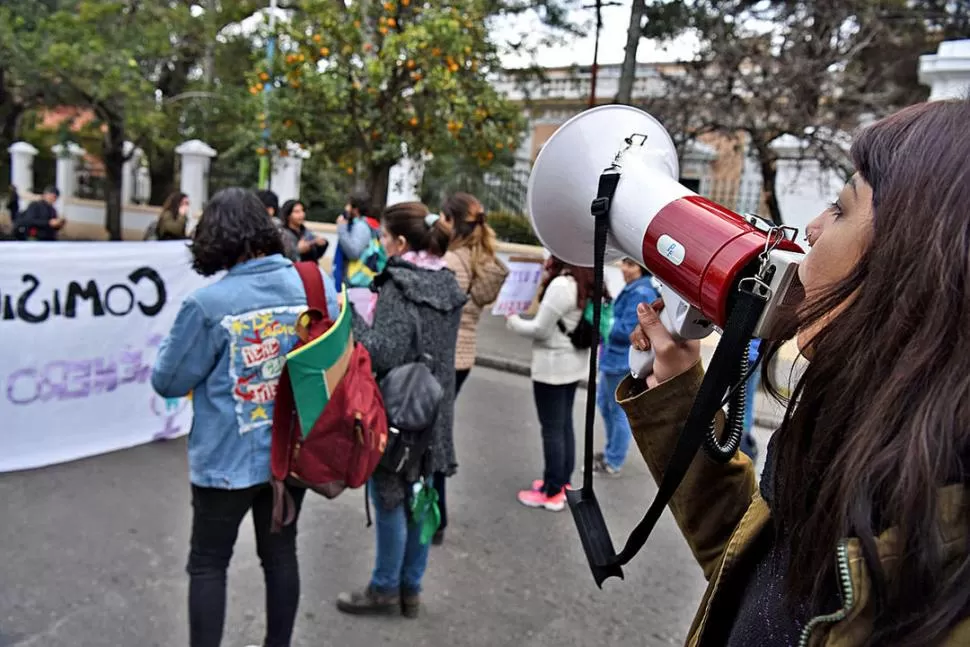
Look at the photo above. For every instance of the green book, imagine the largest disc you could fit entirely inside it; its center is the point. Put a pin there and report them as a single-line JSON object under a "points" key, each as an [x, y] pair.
{"points": [[317, 367]]}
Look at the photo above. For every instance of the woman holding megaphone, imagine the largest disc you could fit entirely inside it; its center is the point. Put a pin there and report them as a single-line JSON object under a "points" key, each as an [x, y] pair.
{"points": [[859, 532]]}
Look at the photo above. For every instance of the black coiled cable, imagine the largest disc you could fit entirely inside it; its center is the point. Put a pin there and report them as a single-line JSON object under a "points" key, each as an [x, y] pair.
{"points": [[721, 451]]}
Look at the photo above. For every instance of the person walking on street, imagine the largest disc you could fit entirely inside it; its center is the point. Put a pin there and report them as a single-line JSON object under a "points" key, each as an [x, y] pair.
{"points": [[472, 257], [418, 311], [615, 365], [557, 368], [216, 351]]}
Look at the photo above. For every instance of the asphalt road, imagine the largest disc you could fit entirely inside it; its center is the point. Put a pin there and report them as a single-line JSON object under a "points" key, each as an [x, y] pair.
{"points": [[92, 553]]}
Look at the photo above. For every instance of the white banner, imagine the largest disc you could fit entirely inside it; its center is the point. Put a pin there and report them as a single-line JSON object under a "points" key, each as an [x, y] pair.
{"points": [[80, 325]]}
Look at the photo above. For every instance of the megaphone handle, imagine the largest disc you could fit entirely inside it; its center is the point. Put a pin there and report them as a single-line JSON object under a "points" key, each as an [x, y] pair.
{"points": [[641, 363]]}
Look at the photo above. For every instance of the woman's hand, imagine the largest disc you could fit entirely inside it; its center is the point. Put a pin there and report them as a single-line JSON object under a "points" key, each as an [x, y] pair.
{"points": [[303, 246], [671, 357]]}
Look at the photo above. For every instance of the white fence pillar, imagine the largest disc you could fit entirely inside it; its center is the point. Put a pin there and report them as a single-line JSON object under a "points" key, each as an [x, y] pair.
{"points": [[194, 181], [404, 181], [129, 173], [948, 71], [68, 155], [22, 157], [287, 169]]}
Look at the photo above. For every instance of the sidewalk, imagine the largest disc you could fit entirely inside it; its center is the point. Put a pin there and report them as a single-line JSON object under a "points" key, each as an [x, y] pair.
{"points": [[501, 349]]}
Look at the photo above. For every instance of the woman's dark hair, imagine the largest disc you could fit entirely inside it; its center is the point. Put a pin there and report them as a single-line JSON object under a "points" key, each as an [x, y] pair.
{"points": [[287, 209], [172, 202], [234, 228], [360, 200], [269, 200], [880, 419], [409, 220], [585, 280]]}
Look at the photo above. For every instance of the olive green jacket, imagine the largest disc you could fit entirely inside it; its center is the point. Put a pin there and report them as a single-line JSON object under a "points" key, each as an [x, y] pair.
{"points": [[720, 511]]}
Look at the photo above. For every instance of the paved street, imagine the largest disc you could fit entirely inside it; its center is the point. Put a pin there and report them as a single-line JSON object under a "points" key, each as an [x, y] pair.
{"points": [[93, 553]]}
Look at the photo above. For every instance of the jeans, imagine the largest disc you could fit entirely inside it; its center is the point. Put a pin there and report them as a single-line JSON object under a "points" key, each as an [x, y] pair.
{"points": [[401, 557], [216, 515], [618, 434], [439, 477], [554, 404]]}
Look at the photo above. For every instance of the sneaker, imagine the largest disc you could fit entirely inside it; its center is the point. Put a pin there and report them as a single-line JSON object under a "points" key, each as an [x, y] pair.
{"points": [[368, 603], [537, 485], [410, 604], [600, 466], [539, 499]]}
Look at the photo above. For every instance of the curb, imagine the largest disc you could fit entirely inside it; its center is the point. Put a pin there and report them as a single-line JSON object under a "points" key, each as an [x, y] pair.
{"points": [[520, 368]]}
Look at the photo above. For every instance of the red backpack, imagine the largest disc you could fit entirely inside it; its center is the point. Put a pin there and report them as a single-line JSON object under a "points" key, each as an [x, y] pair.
{"points": [[347, 440]]}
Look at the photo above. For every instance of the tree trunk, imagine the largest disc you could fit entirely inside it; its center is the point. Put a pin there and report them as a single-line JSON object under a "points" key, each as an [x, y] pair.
{"points": [[768, 162], [161, 169], [114, 162], [628, 72], [378, 184]]}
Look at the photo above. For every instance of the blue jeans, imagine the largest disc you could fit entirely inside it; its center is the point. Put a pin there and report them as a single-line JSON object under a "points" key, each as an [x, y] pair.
{"points": [[618, 434], [401, 558]]}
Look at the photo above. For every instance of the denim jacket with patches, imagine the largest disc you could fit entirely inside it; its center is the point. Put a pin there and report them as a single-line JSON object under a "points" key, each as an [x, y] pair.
{"points": [[227, 348]]}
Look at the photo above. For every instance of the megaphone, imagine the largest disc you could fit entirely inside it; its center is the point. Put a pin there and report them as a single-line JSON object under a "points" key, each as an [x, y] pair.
{"points": [[698, 250]]}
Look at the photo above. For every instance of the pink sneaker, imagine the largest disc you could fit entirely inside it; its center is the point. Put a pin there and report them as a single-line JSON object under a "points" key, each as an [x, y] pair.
{"points": [[537, 485], [538, 499]]}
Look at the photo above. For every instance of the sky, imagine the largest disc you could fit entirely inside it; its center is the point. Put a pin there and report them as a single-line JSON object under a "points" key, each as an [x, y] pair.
{"points": [[580, 50]]}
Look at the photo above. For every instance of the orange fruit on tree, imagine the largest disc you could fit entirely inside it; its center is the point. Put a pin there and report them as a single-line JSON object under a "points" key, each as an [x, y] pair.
{"points": [[405, 3], [317, 38], [391, 22], [389, 6], [413, 121], [383, 31], [324, 51], [263, 76], [436, 52], [411, 64], [368, 47]]}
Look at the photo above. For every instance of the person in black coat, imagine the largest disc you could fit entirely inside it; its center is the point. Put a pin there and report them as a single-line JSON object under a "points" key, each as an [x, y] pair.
{"points": [[40, 221]]}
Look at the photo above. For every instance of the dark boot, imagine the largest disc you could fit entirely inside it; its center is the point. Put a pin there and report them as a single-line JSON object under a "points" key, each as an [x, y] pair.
{"points": [[439, 537], [410, 604], [368, 603]]}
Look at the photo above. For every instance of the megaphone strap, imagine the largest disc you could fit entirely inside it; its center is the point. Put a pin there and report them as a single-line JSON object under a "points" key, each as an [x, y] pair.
{"points": [[723, 372]]}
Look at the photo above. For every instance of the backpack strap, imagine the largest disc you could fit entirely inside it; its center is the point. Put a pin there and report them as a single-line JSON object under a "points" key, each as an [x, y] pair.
{"points": [[316, 294]]}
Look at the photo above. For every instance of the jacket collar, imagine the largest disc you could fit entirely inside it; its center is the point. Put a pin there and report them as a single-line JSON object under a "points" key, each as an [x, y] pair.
{"points": [[261, 264]]}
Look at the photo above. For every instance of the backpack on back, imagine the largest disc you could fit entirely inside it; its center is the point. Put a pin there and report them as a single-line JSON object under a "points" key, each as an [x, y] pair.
{"points": [[329, 423], [360, 272], [582, 335]]}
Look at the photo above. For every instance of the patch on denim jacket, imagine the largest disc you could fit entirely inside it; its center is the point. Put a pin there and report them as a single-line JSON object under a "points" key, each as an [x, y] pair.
{"points": [[258, 343]]}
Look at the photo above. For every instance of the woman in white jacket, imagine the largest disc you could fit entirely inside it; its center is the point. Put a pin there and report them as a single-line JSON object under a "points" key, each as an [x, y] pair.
{"points": [[557, 368]]}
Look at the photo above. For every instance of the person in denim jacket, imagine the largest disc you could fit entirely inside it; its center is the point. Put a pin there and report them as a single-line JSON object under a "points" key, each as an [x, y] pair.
{"points": [[615, 364], [227, 348]]}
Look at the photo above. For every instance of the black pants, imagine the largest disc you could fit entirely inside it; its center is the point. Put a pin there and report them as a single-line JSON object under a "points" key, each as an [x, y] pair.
{"points": [[439, 477], [216, 515], [554, 404]]}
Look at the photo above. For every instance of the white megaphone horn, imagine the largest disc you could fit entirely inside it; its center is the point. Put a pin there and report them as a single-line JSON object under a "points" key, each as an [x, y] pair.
{"points": [[697, 249]]}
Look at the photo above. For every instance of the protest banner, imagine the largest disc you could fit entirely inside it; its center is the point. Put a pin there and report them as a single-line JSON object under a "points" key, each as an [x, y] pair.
{"points": [[80, 325], [520, 286]]}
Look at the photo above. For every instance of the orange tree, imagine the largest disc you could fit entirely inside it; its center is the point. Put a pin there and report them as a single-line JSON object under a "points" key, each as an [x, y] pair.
{"points": [[366, 83]]}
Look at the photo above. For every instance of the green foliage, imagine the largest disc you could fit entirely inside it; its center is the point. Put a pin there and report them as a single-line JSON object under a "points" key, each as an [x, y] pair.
{"points": [[512, 228], [365, 82]]}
